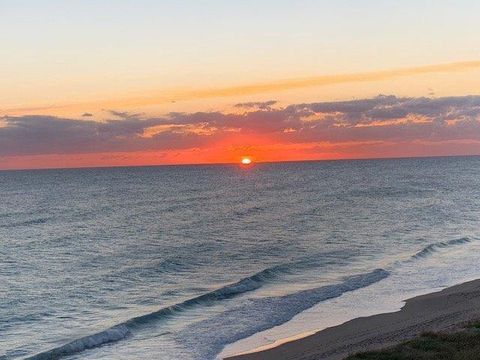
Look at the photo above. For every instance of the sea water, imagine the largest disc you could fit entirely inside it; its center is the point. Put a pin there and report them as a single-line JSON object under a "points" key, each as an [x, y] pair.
{"points": [[184, 262]]}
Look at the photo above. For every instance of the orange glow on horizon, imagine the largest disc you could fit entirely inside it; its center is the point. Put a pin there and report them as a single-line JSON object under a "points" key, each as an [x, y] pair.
{"points": [[261, 153]]}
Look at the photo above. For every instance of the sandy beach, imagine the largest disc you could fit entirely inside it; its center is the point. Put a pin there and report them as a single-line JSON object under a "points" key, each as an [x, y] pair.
{"points": [[446, 310]]}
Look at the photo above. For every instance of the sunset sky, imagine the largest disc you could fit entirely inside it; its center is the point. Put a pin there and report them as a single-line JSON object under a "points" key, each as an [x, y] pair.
{"points": [[107, 83]]}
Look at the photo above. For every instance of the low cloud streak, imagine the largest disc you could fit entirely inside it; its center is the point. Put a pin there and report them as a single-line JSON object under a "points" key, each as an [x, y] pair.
{"points": [[168, 96]]}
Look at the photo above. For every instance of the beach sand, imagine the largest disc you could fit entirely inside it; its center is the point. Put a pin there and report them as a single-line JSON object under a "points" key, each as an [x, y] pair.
{"points": [[446, 310]]}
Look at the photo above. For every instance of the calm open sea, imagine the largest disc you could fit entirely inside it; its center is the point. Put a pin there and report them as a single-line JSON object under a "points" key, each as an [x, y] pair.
{"points": [[178, 262]]}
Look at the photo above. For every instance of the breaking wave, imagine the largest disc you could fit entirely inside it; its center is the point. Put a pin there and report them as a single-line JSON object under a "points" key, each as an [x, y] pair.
{"points": [[305, 299], [432, 248]]}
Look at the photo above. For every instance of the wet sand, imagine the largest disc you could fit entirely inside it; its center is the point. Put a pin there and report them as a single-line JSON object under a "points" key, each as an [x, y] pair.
{"points": [[446, 310]]}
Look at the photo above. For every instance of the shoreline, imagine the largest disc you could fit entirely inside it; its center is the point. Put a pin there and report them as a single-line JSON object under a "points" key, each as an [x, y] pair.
{"points": [[446, 310]]}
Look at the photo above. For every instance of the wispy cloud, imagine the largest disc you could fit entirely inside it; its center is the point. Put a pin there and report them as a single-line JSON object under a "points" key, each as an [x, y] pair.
{"points": [[168, 96], [263, 105]]}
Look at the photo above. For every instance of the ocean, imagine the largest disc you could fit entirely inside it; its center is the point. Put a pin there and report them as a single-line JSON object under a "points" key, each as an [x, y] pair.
{"points": [[189, 262]]}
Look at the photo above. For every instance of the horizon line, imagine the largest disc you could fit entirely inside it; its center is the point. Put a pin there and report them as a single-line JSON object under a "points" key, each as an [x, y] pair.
{"points": [[239, 165]]}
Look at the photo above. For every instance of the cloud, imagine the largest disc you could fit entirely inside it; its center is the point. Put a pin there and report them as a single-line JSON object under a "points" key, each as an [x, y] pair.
{"points": [[87, 114], [33, 135], [124, 114], [265, 105], [164, 97], [381, 119]]}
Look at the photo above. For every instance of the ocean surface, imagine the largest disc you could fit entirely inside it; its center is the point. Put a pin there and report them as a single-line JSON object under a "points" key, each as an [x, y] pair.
{"points": [[177, 262]]}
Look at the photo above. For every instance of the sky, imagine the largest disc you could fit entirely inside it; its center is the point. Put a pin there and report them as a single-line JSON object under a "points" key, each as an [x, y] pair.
{"points": [[110, 83]]}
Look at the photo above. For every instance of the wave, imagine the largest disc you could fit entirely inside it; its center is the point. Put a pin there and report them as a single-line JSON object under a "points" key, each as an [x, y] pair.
{"points": [[113, 334], [268, 312], [122, 330], [37, 221], [256, 315], [247, 211], [432, 248]]}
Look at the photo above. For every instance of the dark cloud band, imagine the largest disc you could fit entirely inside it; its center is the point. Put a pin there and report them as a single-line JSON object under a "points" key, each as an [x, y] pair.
{"points": [[383, 118]]}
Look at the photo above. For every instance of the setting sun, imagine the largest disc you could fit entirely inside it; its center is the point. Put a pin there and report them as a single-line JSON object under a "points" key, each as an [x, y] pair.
{"points": [[246, 161]]}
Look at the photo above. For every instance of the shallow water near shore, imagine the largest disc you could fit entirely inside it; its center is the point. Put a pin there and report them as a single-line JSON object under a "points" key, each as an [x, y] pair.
{"points": [[385, 296], [179, 262]]}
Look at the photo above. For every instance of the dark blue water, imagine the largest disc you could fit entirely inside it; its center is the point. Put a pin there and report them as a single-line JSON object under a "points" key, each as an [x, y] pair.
{"points": [[177, 262]]}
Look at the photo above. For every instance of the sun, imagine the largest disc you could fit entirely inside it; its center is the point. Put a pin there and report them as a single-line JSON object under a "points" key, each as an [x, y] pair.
{"points": [[246, 161]]}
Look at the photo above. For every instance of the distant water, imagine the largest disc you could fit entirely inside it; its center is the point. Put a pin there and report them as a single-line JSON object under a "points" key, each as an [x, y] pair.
{"points": [[177, 262]]}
